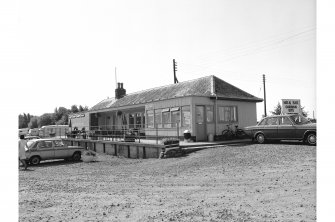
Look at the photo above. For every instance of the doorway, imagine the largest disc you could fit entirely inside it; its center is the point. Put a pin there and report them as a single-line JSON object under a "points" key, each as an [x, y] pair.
{"points": [[200, 122]]}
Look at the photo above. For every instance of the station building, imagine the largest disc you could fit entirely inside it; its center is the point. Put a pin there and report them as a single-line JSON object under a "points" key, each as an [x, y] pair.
{"points": [[204, 106]]}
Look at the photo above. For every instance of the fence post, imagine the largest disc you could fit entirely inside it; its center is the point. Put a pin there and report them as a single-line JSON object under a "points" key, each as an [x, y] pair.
{"points": [[178, 130], [156, 128]]}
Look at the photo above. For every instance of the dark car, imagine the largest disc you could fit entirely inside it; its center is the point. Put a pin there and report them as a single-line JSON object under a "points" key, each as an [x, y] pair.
{"points": [[283, 127]]}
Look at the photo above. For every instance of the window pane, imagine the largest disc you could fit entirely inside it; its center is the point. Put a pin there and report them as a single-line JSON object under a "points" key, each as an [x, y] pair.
{"points": [[131, 121], [138, 120], [272, 121], [285, 121], [185, 116], [166, 119], [158, 118], [150, 118], [221, 113], [209, 114], [175, 118], [227, 113]]}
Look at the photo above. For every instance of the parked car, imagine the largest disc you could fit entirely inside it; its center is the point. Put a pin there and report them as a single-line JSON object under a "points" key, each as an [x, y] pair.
{"points": [[283, 127], [52, 148]]}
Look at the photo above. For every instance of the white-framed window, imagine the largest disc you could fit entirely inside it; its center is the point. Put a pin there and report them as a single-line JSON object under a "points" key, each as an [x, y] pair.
{"points": [[209, 114], [150, 118], [166, 118], [185, 116], [131, 120], [138, 120], [158, 118], [175, 116], [227, 113]]}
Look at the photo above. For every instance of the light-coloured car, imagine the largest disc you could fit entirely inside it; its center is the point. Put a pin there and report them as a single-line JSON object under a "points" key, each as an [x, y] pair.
{"points": [[51, 148]]}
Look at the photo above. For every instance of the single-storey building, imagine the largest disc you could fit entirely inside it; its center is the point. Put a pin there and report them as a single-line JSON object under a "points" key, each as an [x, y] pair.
{"points": [[204, 106]]}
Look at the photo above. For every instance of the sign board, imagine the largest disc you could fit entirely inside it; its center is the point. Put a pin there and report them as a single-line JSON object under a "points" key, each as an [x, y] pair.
{"points": [[291, 106], [77, 116]]}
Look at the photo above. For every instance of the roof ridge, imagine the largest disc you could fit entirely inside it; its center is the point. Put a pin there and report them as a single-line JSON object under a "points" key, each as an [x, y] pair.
{"points": [[164, 86]]}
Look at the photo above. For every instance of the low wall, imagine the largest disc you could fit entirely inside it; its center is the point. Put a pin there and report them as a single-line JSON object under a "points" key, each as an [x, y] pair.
{"points": [[125, 149]]}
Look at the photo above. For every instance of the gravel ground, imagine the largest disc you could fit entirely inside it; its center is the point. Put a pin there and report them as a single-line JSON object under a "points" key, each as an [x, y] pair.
{"points": [[271, 182]]}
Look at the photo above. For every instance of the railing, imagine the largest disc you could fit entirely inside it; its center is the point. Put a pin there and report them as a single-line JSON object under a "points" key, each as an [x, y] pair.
{"points": [[149, 134]]}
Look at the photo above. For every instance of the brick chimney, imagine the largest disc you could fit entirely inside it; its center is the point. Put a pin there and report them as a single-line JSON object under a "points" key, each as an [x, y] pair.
{"points": [[120, 91]]}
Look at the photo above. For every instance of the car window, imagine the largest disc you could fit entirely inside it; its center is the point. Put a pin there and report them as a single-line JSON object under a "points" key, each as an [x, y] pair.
{"points": [[262, 123], [45, 144], [30, 143], [58, 143], [285, 121], [299, 119], [272, 121]]}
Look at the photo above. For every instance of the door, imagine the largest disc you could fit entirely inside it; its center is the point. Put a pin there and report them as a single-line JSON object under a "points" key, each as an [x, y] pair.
{"points": [[200, 122], [61, 151], [45, 150], [286, 129], [271, 128]]}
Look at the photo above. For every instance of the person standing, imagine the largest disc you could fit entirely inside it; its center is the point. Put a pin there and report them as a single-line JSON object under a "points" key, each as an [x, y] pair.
{"points": [[22, 151]]}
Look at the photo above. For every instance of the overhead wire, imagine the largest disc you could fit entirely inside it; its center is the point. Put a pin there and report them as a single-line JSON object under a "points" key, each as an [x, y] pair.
{"points": [[254, 43], [270, 46]]}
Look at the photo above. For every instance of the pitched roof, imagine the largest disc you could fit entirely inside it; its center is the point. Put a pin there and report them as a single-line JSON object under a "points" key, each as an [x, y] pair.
{"points": [[209, 86]]}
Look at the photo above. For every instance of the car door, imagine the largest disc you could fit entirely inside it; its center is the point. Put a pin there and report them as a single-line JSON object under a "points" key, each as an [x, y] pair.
{"points": [[270, 129], [286, 129], [61, 150], [45, 150]]}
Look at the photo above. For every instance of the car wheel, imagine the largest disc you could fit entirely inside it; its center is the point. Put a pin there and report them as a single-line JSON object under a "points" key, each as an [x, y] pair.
{"points": [[76, 156], [260, 138], [35, 160], [311, 139]]}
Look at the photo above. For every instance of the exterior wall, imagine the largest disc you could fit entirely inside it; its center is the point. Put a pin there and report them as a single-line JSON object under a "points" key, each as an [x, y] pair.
{"points": [[171, 103], [246, 114], [128, 150]]}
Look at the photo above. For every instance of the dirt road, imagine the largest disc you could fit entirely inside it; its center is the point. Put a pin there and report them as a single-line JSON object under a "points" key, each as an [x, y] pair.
{"points": [[271, 182]]}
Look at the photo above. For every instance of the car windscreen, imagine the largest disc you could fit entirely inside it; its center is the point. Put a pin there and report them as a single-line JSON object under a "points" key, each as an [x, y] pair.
{"points": [[30, 143]]}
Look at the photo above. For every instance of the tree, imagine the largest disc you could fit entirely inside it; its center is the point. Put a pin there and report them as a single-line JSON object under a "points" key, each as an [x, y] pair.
{"points": [[46, 119], [24, 120], [59, 113], [33, 122], [277, 110], [74, 109], [81, 108], [63, 120]]}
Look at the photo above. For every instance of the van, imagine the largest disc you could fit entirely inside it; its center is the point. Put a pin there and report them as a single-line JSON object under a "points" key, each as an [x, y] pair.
{"points": [[34, 132], [54, 131], [23, 131]]}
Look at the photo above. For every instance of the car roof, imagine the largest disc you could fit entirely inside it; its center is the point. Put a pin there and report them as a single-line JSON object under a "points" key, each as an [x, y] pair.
{"points": [[44, 139]]}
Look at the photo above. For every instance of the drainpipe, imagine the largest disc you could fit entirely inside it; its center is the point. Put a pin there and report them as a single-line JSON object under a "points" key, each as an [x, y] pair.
{"points": [[216, 113]]}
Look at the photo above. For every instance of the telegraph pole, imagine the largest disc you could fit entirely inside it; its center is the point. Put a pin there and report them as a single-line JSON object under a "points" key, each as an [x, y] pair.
{"points": [[264, 95], [174, 72]]}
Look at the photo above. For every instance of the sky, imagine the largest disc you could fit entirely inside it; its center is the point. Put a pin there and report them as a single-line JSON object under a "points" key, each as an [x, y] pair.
{"points": [[73, 52]]}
